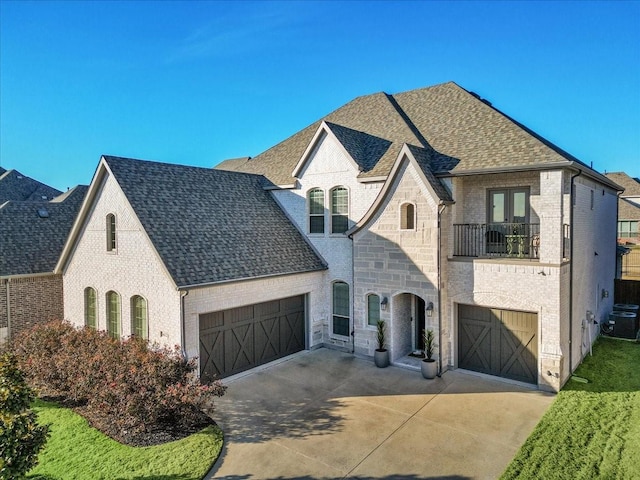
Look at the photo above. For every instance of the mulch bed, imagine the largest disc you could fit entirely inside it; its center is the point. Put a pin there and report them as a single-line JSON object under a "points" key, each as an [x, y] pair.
{"points": [[167, 431]]}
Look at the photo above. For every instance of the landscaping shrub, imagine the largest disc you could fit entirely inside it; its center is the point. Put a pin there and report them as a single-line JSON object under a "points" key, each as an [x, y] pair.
{"points": [[130, 386], [20, 436]]}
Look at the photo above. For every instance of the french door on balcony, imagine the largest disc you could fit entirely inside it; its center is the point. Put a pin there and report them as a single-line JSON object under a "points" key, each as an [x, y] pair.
{"points": [[508, 214], [510, 205]]}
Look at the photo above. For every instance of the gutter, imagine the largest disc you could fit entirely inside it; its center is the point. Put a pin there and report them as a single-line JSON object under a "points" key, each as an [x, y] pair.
{"points": [[574, 201]]}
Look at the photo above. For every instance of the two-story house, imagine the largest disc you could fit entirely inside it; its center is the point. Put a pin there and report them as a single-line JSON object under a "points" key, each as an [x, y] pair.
{"points": [[428, 209]]}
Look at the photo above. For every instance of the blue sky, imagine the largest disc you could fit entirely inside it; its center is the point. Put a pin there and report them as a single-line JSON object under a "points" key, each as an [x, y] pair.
{"points": [[199, 82]]}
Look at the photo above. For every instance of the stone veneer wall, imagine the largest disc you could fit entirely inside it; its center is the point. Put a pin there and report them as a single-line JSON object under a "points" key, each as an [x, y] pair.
{"points": [[32, 300], [391, 262]]}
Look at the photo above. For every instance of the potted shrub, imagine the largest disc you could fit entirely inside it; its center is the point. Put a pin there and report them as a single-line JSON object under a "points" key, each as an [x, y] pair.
{"points": [[429, 366], [381, 355]]}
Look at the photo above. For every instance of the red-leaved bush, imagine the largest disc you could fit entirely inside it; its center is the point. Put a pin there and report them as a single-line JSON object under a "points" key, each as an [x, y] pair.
{"points": [[130, 384]]}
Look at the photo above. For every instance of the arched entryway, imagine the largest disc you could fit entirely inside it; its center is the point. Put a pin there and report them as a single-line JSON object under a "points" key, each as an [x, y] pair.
{"points": [[407, 324]]}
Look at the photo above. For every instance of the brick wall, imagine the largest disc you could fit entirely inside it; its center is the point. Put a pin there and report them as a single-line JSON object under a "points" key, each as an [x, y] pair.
{"points": [[32, 300], [329, 167], [134, 268]]}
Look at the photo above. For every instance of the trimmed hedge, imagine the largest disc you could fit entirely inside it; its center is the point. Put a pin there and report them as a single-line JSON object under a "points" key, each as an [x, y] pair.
{"points": [[134, 384]]}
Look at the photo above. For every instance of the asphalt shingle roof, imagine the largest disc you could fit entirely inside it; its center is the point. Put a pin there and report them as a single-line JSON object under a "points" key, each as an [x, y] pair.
{"points": [[18, 187], [628, 210], [32, 244], [466, 132], [631, 185], [212, 226]]}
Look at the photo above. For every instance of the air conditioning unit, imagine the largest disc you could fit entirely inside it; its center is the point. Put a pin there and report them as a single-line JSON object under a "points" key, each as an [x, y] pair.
{"points": [[624, 324]]}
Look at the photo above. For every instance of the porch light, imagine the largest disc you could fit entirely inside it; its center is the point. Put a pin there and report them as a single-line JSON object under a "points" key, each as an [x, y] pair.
{"points": [[384, 303], [430, 309]]}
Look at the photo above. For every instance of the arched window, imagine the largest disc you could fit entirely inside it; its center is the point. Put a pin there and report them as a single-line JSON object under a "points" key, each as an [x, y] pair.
{"points": [[113, 314], [90, 302], [407, 216], [111, 232], [373, 309], [139, 320], [341, 308], [316, 211], [339, 210]]}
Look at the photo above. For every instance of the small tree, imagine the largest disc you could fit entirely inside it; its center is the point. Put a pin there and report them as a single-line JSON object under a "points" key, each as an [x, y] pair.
{"points": [[20, 436]]}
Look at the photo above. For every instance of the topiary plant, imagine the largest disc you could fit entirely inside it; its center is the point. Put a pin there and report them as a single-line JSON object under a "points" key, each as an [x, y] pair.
{"points": [[429, 344], [381, 334], [20, 436]]}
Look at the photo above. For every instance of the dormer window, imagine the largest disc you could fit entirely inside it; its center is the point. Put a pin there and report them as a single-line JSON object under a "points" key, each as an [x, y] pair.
{"points": [[339, 210], [316, 211], [407, 216], [111, 232]]}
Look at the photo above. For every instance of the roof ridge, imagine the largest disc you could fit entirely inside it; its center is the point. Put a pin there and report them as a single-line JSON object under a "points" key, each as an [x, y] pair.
{"points": [[419, 136]]}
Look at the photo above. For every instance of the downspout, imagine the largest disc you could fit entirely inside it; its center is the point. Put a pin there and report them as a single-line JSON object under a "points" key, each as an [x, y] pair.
{"points": [[439, 262], [183, 293], [353, 283], [574, 201]]}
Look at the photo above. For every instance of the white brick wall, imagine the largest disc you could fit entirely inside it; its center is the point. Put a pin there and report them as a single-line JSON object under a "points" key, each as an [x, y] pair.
{"points": [[594, 232], [133, 269], [328, 167], [237, 294]]}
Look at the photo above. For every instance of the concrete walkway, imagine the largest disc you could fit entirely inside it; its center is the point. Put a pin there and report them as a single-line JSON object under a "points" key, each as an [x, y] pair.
{"points": [[329, 415]]}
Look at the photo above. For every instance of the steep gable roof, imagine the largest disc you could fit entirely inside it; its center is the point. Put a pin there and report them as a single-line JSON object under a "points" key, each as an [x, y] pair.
{"points": [[467, 135], [18, 187], [210, 226], [33, 233]]}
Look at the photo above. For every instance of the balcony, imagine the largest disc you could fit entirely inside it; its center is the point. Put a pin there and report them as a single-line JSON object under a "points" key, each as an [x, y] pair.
{"points": [[511, 240]]}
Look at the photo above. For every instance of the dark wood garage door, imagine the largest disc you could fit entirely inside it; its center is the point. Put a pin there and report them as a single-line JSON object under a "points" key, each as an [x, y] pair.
{"points": [[241, 338], [498, 342]]}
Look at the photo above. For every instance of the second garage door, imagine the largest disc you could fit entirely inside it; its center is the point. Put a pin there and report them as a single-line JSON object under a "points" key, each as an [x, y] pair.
{"points": [[241, 338], [498, 342]]}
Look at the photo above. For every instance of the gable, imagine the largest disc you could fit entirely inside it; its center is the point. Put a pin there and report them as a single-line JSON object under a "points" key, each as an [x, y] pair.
{"points": [[208, 226]]}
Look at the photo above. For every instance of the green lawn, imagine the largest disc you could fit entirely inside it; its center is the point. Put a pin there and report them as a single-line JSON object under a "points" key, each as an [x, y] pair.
{"points": [[591, 430], [77, 451]]}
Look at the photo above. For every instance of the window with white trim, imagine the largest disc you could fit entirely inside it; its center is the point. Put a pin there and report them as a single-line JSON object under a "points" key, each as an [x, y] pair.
{"points": [[339, 210], [341, 309], [316, 211], [113, 314], [373, 309], [139, 319], [627, 228], [90, 303]]}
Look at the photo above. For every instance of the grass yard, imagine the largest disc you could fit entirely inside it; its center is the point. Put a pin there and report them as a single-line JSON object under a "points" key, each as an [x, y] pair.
{"points": [[77, 451], [591, 430]]}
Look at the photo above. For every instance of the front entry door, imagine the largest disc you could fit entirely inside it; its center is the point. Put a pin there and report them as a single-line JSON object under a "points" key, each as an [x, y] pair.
{"points": [[420, 325]]}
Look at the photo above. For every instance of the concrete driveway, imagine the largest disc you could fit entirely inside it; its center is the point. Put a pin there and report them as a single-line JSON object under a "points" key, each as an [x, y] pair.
{"points": [[329, 415]]}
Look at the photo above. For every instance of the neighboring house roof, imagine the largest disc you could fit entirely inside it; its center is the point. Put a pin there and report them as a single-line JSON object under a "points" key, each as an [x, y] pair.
{"points": [[2, 170], [33, 233], [631, 185], [210, 226], [466, 132], [628, 210], [18, 187]]}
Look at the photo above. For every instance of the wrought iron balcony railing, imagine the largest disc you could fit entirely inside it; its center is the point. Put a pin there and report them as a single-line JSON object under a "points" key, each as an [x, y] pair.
{"points": [[516, 240]]}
